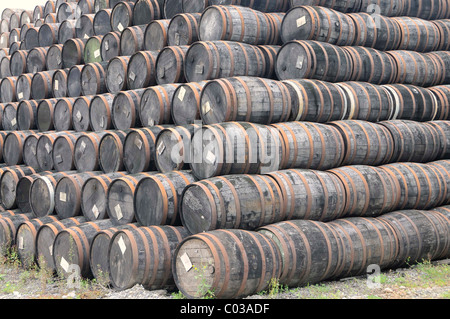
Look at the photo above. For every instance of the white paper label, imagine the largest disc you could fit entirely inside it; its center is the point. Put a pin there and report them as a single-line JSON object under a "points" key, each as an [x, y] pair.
{"points": [[82, 146], [50, 248], [56, 85], [96, 53], [301, 21], [186, 262], [86, 36], [206, 107], [210, 157], [15, 38], [13, 121], [120, 27], [131, 76], [64, 264], [151, 122], [95, 211], [299, 63], [20, 95], [1, 40], [181, 94], [122, 245], [138, 143], [78, 115], [107, 45], [48, 148], [119, 214], [63, 197], [199, 68], [20, 242], [59, 159], [161, 148]]}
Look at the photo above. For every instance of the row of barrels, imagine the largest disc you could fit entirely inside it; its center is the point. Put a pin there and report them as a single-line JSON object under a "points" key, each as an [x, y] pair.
{"points": [[250, 99], [365, 29], [230, 148], [168, 257]]}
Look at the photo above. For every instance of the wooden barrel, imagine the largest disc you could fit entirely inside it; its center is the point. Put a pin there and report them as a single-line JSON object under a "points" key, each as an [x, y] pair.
{"points": [[45, 236], [13, 147], [9, 117], [67, 30], [440, 65], [18, 62], [125, 109], [173, 148], [413, 102], [8, 183], [310, 250], [72, 246], [8, 89], [413, 141], [151, 268], [74, 81], [170, 65], [295, 61], [29, 151], [226, 270], [132, 40], [98, 254], [443, 210], [63, 151], [87, 6], [247, 99], [94, 195], [62, 114], [184, 29], [8, 229], [156, 35], [247, 209], [236, 59], [54, 59], [44, 115], [310, 145], [26, 115], [92, 50], [41, 85], [48, 34], [59, 83], [371, 65], [73, 52], [93, 78], [145, 11], [264, 6], [44, 149], [376, 31], [443, 26], [310, 194], [80, 114], [119, 205], [26, 239], [86, 154], [370, 191], [236, 148], [167, 190], [111, 151], [110, 46], [4, 66], [171, 8], [68, 11], [443, 129], [368, 102], [417, 68], [36, 60], [50, 18], [422, 186], [122, 16], [139, 149], [185, 108], [42, 193], [102, 22], [116, 74], [442, 95], [365, 143], [31, 38], [422, 235], [68, 194], [316, 101], [23, 190], [141, 71], [442, 168], [50, 7], [100, 112], [85, 26], [155, 105], [419, 35], [319, 24]]}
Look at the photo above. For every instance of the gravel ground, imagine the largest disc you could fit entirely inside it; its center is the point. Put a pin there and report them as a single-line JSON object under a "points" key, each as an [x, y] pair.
{"points": [[424, 281]]}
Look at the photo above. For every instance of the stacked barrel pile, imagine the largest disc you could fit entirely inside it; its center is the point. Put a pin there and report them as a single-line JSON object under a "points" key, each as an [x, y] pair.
{"points": [[185, 144]]}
